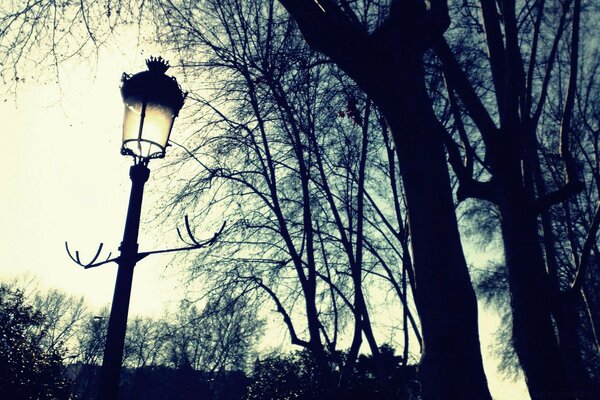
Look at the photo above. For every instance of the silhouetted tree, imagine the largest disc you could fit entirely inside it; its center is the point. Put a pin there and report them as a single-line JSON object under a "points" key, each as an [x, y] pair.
{"points": [[27, 369], [520, 103], [384, 56], [283, 163]]}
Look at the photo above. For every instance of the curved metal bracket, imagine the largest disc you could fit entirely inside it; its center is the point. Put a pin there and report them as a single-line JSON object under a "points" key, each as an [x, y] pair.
{"points": [[77, 260], [191, 244]]}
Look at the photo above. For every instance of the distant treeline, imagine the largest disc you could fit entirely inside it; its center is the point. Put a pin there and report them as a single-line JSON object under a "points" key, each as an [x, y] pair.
{"points": [[51, 348]]}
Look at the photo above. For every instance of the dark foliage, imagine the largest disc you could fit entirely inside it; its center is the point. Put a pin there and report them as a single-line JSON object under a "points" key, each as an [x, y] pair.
{"points": [[296, 376], [27, 370]]}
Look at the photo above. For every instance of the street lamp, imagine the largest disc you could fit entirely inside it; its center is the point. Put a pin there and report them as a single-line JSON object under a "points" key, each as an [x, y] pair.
{"points": [[152, 102]]}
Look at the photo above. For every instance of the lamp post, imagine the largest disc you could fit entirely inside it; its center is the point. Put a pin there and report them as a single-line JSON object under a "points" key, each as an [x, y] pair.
{"points": [[152, 102]]}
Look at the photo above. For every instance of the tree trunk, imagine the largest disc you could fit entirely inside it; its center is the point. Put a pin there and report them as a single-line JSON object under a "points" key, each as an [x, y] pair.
{"points": [[568, 324], [564, 309], [533, 329], [451, 365]]}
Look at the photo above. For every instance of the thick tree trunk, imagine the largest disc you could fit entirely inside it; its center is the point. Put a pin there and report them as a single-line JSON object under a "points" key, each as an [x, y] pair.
{"points": [[534, 337], [451, 365]]}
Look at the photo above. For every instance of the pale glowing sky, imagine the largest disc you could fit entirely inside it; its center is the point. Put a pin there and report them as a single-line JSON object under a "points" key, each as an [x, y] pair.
{"points": [[62, 178]]}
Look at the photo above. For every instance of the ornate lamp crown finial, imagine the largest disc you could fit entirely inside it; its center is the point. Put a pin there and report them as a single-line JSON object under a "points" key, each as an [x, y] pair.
{"points": [[157, 64]]}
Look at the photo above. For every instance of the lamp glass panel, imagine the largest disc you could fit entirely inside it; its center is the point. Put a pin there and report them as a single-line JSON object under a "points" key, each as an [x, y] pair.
{"points": [[155, 130]]}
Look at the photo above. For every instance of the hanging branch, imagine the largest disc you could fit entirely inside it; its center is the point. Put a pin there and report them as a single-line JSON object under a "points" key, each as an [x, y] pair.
{"points": [[526, 111], [550, 62], [495, 46], [572, 185], [585, 252], [565, 129], [459, 81], [280, 309]]}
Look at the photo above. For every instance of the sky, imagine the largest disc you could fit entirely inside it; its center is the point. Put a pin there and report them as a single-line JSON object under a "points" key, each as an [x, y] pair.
{"points": [[63, 179]]}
